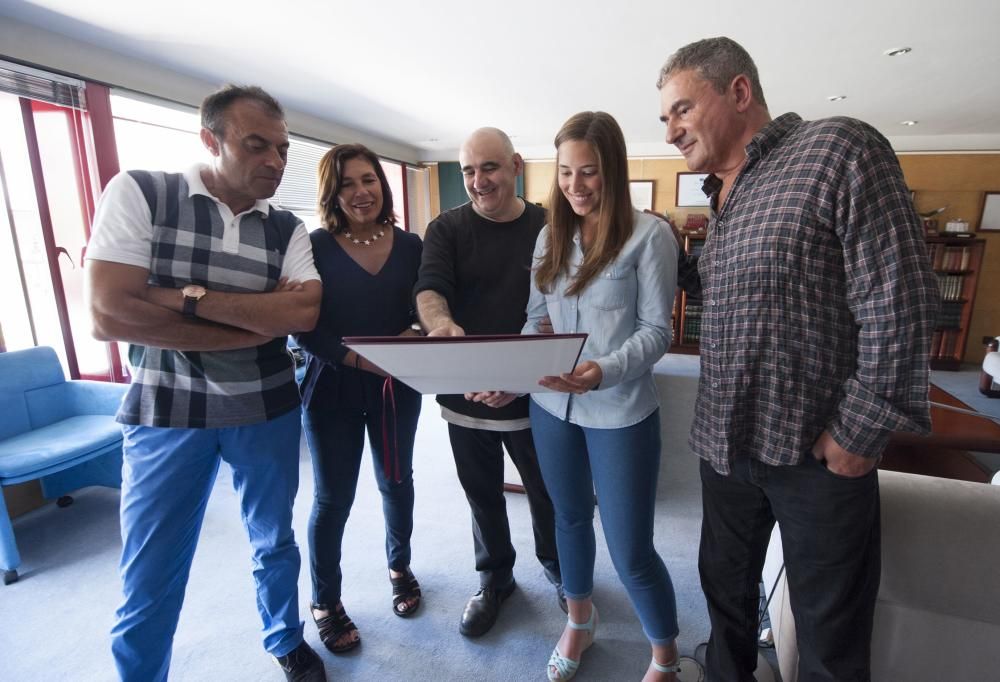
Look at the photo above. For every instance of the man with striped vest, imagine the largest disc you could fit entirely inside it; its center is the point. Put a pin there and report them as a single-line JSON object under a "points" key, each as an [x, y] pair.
{"points": [[205, 280]]}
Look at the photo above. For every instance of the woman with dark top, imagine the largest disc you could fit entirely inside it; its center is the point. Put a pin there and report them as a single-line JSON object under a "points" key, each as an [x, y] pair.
{"points": [[368, 267]]}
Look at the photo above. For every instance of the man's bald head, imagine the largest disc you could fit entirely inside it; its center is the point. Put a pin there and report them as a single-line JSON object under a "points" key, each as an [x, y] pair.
{"points": [[488, 135], [490, 167]]}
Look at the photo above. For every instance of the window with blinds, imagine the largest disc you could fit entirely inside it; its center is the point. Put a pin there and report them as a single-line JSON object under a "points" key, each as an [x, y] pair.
{"points": [[299, 188], [25, 81]]}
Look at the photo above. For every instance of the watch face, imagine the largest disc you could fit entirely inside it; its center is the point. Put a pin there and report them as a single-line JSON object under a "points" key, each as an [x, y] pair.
{"points": [[193, 291]]}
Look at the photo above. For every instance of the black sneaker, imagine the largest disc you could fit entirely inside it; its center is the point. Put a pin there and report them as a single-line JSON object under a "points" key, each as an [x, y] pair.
{"points": [[302, 664]]}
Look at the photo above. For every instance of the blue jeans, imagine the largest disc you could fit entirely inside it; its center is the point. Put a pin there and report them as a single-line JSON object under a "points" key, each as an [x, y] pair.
{"points": [[336, 439], [167, 477], [622, 465]]}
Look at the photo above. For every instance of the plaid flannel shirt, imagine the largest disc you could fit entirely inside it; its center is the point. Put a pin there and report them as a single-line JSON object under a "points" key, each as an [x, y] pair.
{"points": [[818, 299]]}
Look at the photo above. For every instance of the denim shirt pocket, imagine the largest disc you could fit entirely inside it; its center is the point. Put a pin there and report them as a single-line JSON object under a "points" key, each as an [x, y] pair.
{"points": [[610, 289]]}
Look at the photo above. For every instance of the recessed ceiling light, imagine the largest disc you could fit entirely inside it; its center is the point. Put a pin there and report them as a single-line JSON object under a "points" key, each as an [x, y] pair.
{"points": [[908, 123], [836, 98], [896, 51]]}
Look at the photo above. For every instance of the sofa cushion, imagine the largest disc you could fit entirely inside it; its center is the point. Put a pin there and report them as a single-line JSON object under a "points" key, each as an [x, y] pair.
{"points": [[56, 443], [938, 611]]}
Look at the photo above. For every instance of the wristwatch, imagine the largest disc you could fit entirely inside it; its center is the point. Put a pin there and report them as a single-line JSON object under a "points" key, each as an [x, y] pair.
{"points": [[192, 294]]}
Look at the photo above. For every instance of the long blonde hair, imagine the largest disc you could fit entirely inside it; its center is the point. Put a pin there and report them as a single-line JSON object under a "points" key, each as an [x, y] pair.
{"points": [[615, 219]]}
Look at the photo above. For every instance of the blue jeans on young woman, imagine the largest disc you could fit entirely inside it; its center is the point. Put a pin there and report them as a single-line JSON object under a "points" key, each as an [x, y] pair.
{"points": [[622, 465], [336, 438]]}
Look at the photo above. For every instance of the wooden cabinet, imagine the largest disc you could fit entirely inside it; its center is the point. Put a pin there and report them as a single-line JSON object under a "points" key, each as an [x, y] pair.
{"points": [[687, 309], [957, 262]]}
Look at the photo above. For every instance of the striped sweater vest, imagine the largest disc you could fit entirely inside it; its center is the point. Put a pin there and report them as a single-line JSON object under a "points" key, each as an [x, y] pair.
{"points": [[216, 389]]}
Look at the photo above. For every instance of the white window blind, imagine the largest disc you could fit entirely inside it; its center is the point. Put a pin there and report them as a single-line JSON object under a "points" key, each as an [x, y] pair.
{"points": [[25, 81], [299, 186]]}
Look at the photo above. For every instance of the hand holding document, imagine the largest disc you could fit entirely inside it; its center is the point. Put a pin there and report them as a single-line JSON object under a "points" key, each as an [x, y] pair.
{"points": [[513, 363]]}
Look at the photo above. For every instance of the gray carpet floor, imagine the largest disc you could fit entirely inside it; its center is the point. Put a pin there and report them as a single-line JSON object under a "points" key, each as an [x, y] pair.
{"points": [[54, 622]]}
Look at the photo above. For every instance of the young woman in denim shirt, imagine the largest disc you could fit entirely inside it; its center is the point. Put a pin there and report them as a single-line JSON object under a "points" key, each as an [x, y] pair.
{"points": [[603, 268]]}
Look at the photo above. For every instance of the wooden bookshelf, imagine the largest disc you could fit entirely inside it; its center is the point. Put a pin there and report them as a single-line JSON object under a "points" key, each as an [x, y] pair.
{"points": [[957, 262], [687, 309]]}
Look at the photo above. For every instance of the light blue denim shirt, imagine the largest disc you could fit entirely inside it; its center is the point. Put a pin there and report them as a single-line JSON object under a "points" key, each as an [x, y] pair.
{"points": [[626, 313]]}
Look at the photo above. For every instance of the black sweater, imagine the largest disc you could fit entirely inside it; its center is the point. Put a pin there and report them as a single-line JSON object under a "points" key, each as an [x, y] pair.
{"points": [[483, 270]]}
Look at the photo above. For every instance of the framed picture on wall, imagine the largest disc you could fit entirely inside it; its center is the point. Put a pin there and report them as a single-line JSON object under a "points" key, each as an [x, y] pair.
{"points": [[989, 221], [689, 189], [642, 194]]}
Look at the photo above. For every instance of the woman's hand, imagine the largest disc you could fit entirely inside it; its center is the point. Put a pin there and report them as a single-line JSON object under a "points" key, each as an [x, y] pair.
{"points": [[585, 377]]}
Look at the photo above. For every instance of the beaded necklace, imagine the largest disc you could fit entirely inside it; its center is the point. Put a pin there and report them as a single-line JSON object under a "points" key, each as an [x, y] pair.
{"points": [[365, 242]]}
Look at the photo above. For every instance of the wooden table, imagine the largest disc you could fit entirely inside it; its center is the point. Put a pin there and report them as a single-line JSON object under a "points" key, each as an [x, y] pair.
{"points": [[945, 453]]}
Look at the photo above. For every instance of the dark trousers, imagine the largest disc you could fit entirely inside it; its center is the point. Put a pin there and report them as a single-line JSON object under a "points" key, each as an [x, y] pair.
{"points": [[336, 439], [830, 532], [479, 462]]}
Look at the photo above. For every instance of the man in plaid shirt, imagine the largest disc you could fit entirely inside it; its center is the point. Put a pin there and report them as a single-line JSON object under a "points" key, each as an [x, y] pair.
{"points": [[818, 309]]}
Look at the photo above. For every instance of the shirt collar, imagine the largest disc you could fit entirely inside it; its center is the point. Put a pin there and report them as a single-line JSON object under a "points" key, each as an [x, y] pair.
{"points": [[197, 186], [771, 135], [766, 139]]}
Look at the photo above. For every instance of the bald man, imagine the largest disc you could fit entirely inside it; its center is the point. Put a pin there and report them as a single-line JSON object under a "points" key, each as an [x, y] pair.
{"points": [[474, 279]]}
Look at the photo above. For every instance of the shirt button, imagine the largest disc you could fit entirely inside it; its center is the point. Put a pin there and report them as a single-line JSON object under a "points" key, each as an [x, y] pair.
{"points": [[715, 384], [715, 345]]}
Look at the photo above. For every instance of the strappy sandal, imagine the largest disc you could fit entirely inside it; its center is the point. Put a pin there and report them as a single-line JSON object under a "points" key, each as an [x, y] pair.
{"points": [[333, 627], [563, 668], [405, 588]]}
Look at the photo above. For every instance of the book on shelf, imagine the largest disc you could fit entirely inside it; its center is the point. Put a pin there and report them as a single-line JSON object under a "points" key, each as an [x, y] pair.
{"points": [[943, 343], [945, 257], [949, 315], [950, 286]]}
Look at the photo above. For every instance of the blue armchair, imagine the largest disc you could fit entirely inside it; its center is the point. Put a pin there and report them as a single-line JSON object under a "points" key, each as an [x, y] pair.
{"points": [[62, 432]]}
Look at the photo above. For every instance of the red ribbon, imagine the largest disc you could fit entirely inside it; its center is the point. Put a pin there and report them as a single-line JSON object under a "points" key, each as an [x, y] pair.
{"points": [[390, 457]]}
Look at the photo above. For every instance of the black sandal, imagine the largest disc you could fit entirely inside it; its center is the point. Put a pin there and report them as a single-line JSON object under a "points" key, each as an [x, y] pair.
{"points": [[335, 626], [405, 588]]}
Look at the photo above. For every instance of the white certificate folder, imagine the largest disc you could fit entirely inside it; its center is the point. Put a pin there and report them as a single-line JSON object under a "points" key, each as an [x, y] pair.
{"points": [[468, 364]]}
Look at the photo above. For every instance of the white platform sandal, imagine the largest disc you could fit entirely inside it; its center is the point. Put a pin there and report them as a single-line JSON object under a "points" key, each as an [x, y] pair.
{"points": [[562, 668], [674, 667]]}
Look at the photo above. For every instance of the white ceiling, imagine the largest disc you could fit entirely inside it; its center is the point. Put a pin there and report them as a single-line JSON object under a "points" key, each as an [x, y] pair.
{"points": [[424, 74]]}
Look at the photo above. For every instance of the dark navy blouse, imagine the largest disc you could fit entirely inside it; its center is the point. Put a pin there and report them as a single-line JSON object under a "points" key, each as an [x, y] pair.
{"points": [[355, 303]]}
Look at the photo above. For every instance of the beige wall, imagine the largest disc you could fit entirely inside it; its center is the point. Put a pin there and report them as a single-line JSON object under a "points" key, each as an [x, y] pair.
{"points": [[960, 182], [956, 180], [435, 190]]}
